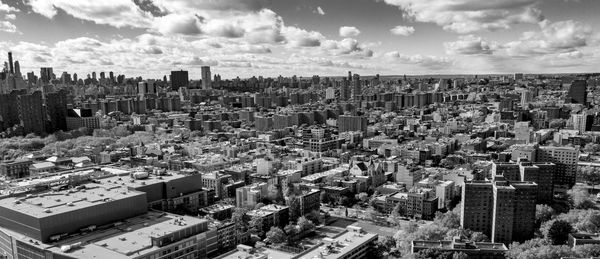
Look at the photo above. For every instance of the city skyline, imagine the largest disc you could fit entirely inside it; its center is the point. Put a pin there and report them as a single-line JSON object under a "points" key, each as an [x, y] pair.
{"points": [[242, 38]]}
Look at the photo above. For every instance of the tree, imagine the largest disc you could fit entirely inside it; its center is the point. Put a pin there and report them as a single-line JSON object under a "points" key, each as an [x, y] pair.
{"points": [[315, 217], [434, 253], [256, 226], [543, 213], [276, 235], [239, 218], [450, 219], [305, 225], [587, 250], [591, 148], [363, 197], [590, 175], [580, 198], [558, 123], [537, 249], [558, 231]]}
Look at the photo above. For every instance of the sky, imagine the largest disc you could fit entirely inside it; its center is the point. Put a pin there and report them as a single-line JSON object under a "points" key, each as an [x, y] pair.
{"points": [[149, 38]]}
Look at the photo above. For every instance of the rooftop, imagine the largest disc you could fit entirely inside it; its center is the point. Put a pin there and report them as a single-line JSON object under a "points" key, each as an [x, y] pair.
{"points": [[55, 202]]}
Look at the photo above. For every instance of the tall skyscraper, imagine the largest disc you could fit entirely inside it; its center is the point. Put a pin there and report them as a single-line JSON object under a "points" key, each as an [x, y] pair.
{"points": [[94, 76], [75, 77], [17, 69], [46, 74], [102, 75], [179, 79], [577, 92], [356, 89], [349, 75], [345, 92], [206, 78], [10, 63]]}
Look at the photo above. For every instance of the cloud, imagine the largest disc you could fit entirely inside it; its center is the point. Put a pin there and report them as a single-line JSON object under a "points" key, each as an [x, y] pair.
{"points": [[403, 30], [349, 31], [116, 13], [558, 37], [210, 5], [430, 62], [467, 16], [178, 24], [469, 45], [319, 10], [347, 46], [7, 9], [7, 26], [302, 38]]}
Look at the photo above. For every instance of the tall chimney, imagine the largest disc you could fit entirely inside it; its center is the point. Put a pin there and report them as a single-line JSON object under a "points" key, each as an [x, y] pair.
{"points": [[10, 63]]}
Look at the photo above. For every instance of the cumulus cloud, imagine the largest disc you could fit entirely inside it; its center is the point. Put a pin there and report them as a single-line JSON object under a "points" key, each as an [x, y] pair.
{"points": [[7, 26], [319, 11], [466, 16], [558, 37], [347, 46], [403, 30], [302, 38], [116, 13], [469, 45], [6, 8], [430, 62], [349, 31], [178, 24]]}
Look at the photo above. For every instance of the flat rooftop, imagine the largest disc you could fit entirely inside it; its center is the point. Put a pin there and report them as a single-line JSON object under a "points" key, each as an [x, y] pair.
{"points": [[51, 203], [341, 245]]}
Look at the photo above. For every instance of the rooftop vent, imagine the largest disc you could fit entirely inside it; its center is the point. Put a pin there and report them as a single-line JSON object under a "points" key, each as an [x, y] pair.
{"points": [[47, 211], [70, 204]]}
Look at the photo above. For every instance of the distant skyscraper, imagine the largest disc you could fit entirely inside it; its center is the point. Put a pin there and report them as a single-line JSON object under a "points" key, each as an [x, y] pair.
{"points": [[46, 74], [518, 76], [94, 76], [577, 92], [206, 78], [526, 97], [356, 89], [349, 75], [17, 69], [31, 78], [10, 63], [179, 79], [102, 75], [75, 77], [345, 92]]}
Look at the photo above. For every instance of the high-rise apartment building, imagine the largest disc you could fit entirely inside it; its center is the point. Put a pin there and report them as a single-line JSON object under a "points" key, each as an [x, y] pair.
{"points": [[46, 74], [206, 79], [356, 88], [56, 111], [502, 210], [565, 159], [352, 123], [31, 112], [345, 92], [577, 92], [179, 79]]}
